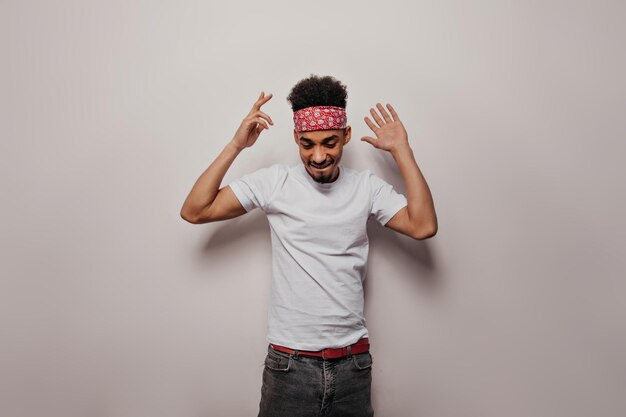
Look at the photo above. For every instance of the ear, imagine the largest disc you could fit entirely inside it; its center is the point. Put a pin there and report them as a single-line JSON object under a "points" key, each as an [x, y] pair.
{"points": [[347, 135], [295, 137]]}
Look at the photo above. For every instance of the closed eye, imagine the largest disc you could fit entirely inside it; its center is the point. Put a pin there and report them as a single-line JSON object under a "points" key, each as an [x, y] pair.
{"points": [[328, 146]]}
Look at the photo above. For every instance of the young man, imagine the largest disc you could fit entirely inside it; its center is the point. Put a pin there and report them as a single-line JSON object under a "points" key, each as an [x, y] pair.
{"points": [[318, 360]]}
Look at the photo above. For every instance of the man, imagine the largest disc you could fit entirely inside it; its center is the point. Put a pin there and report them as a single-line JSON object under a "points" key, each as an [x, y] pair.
{"points": [[318, 360]]}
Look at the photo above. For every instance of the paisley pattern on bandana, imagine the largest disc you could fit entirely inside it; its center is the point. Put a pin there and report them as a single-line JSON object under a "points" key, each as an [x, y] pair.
{"points": [[319, 118]]}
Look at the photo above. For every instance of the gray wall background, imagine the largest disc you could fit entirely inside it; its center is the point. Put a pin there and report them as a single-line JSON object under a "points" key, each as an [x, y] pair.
{"points": [[111, 305]]}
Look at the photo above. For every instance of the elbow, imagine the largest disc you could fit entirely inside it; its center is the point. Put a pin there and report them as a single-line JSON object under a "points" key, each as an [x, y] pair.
{"points": [[200, 217], [425, 232], [188, 217]]}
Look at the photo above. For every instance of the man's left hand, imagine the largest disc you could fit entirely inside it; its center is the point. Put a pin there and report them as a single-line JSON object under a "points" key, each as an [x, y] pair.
{"points": [[390, 133]]}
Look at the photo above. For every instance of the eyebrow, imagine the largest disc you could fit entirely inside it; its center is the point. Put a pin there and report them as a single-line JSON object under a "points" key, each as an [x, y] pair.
{"points": [[328, 139]]}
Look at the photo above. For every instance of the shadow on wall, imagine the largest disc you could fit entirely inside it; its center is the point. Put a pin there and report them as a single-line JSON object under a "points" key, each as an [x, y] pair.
{"points": [[416, 255], [413, 254], [229, 232], [233, 240]]}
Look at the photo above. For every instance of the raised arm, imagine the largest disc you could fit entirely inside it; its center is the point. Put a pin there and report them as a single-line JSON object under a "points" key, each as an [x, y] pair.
{"points": [[418, 219], [206, 202]]}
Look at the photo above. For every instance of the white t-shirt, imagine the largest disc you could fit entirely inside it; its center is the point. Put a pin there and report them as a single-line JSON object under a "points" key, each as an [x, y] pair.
{"points": [[319, 249]]}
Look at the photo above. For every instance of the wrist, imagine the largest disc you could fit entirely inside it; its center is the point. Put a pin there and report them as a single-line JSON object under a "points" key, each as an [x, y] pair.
{"points": [[234, 146], [401, 149]]}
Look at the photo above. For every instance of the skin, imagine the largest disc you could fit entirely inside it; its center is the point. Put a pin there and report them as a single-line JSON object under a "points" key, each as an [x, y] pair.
{"points": [[322, 149], [207, 202]]}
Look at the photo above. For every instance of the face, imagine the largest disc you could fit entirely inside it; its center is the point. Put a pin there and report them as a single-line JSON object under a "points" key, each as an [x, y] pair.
{"points": [[320, 151]]}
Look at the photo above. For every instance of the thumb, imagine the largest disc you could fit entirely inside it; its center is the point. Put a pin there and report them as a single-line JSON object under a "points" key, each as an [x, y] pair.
{"points": [[369, 140]]}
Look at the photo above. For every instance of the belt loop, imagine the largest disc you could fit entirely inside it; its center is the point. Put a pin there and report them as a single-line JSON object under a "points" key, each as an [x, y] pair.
{"points": [[349, 352]]}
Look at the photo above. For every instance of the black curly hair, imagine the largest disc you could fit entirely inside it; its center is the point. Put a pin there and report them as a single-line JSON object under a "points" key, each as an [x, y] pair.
{"points": [[318, 91]]}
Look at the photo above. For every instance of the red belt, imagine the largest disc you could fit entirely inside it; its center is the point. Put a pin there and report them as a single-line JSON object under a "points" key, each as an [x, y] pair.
{"points": [[361, 345]]}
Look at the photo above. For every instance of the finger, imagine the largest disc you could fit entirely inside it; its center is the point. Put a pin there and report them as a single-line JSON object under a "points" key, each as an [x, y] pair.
{"points": [[369, 140], [252, 118], [266, 98], [393, 113], [377, 117], [371, 124], [261, 121], [382, 111], [261, 101], [258, 100], [259, 112]]}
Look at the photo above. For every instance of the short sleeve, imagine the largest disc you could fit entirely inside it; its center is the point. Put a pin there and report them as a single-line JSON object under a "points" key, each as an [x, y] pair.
{"points": [[255, 190], [386, 201]]}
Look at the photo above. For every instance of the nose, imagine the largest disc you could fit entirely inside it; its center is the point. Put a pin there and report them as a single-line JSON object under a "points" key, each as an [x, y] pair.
{"points": [[318, 156]]}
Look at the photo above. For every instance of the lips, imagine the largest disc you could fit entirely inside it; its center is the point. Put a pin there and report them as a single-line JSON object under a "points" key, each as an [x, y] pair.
{"points": [[322, 167]]}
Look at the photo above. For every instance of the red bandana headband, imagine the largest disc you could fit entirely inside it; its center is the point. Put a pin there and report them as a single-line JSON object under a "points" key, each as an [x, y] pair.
{"points": [[319, 118]]}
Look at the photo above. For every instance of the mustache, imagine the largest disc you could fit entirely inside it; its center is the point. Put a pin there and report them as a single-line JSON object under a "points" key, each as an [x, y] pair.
{"points": [[321, 166]]}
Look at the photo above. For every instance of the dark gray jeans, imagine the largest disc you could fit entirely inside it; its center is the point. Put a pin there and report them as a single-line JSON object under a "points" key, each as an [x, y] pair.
{"points": [[308, 386]]}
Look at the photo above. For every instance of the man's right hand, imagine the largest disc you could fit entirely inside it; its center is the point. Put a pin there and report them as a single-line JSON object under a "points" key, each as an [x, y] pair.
{"points": [[254, 123]]}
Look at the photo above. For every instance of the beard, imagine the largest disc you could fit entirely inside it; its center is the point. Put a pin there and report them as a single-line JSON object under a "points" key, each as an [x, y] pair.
{"points": [[325, 176]]}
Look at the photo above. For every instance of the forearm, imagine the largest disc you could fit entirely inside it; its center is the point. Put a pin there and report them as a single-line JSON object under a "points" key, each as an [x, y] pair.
{"points": [[421, 208], [207, 185]]}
